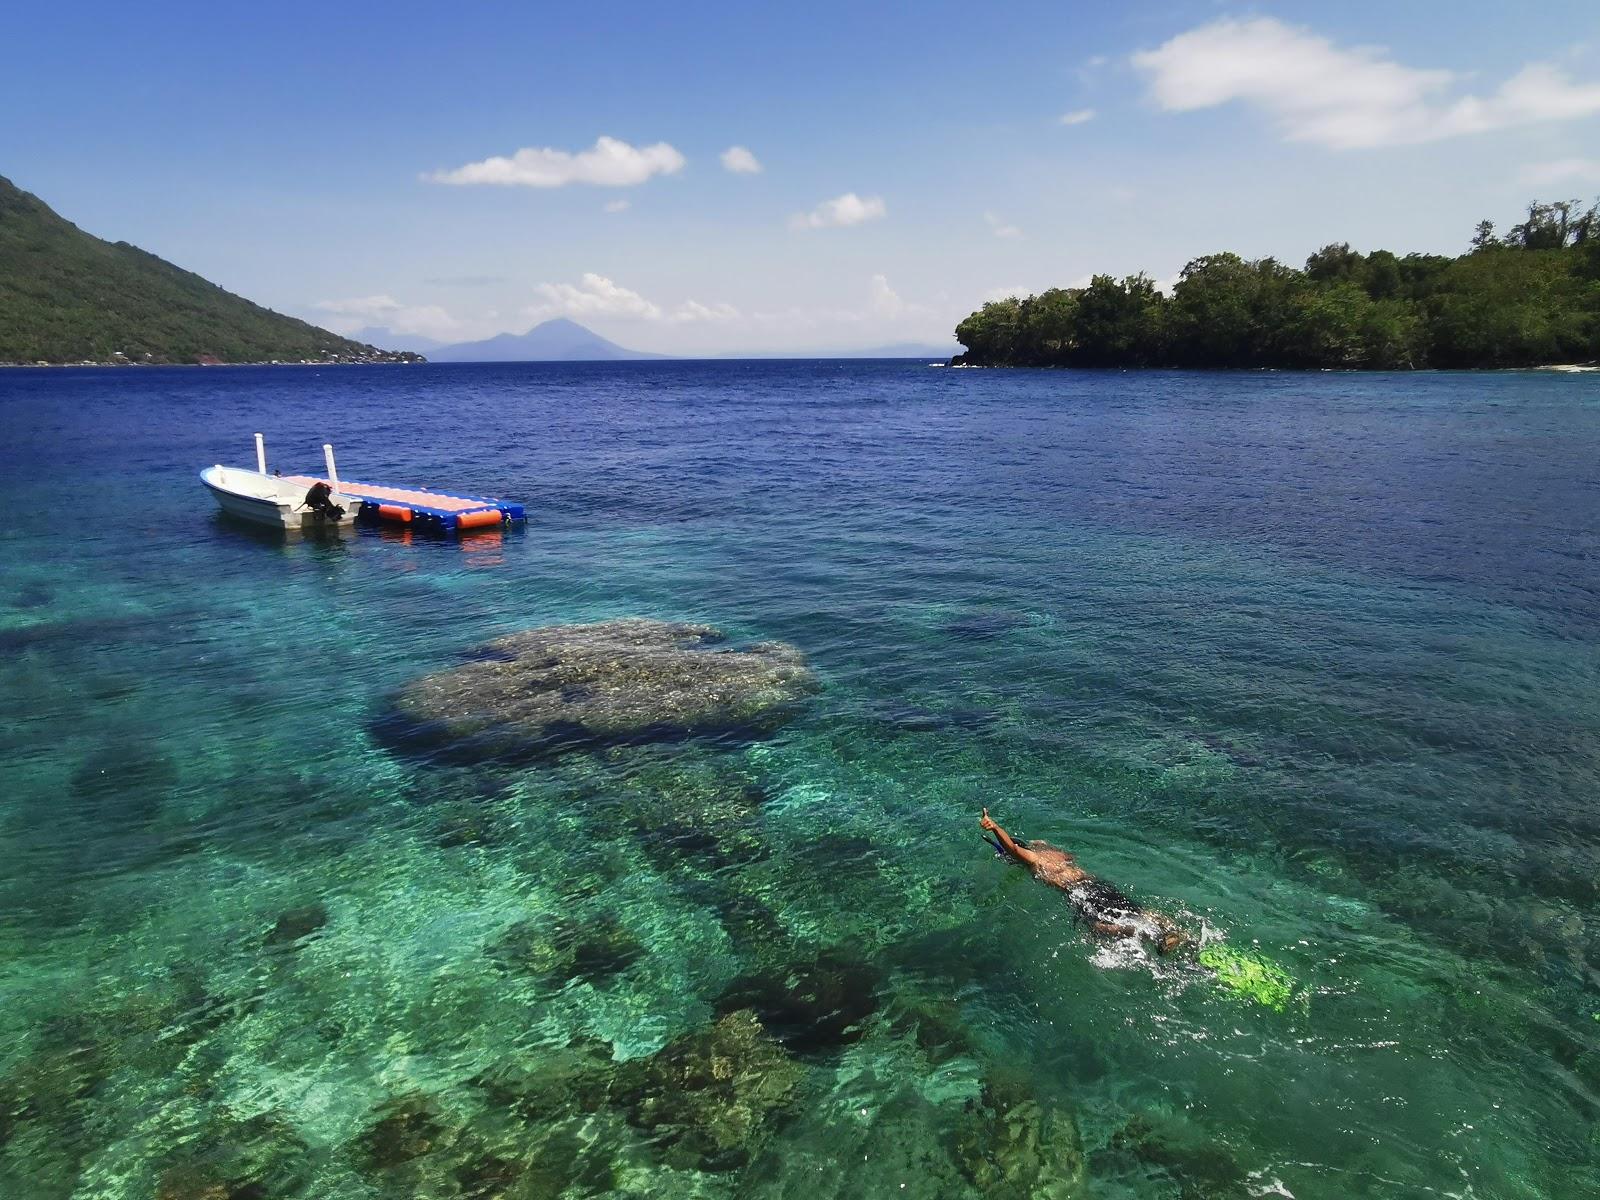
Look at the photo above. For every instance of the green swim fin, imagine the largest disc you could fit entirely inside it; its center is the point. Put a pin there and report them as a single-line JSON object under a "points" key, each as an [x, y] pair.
{"points": [[1253, 976]]}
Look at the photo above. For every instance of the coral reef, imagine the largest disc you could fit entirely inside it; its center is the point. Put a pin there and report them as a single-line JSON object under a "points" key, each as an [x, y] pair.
{"points": [[1201, 1169], [594, 948], [613, 681], [810, 1006], [297, 924], [710, 1097]]}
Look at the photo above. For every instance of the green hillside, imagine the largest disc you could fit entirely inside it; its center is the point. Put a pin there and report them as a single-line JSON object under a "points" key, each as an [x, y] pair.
{"points": [[66, 296]]}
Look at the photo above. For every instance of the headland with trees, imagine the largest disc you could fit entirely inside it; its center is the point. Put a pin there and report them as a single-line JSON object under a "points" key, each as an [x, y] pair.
{"points": [[1529, 298]]}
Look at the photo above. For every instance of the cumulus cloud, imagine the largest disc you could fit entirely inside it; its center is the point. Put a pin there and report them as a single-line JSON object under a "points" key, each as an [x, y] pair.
{"points": [[615, 206], [885, 300], [356, 312], [999, 227], [1077, 116], [1344, 97], [848, 209], [608, 163], [1577, 171], [597, 296], [740, 161], [693, 310]]}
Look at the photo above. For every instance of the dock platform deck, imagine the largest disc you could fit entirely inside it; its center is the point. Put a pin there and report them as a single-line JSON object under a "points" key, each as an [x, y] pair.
{"points": [[443, 510]]}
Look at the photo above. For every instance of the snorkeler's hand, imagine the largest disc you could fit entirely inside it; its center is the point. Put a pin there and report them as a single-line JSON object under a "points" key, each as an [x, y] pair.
{"points": [[987, 822]]}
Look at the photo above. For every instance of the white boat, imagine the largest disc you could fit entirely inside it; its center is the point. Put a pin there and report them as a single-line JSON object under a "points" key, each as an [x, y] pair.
{"points": [[273, 500]]}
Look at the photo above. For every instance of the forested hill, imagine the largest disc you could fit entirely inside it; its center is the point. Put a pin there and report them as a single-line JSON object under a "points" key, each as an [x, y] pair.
{"points": [[1528, 299], [66, 296]]}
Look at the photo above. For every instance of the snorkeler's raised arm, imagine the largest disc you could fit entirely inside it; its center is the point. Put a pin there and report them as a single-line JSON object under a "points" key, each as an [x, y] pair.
{"points": [[1021, 853]]}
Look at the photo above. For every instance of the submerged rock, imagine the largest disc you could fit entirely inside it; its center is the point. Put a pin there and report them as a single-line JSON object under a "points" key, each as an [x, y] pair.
{"points": [[50, 1087], [201, 1183], [556, 1084], [297, 924], [593, 948], [934, 1022], [124, 779], [985, 624], [613, 681], [712, 1097], [1014, 1147], [1201, 1169], [697, 810], [904, 717], [235, 1158], [406, 1128], [810, 1006]]}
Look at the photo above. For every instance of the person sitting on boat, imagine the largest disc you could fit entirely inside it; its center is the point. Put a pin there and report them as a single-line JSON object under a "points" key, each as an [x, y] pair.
{"points": [[319, 499], [1102, 907]]}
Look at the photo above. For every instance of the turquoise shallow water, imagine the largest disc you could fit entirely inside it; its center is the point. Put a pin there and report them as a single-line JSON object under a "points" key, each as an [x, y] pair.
{"points": [[1309, 662]]}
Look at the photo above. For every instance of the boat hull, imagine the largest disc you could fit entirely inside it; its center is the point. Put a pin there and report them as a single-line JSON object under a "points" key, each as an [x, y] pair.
{"points": [[264, 500]]}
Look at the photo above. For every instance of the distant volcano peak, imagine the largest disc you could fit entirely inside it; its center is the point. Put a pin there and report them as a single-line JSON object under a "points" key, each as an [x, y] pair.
{"points": [[556, 340]]}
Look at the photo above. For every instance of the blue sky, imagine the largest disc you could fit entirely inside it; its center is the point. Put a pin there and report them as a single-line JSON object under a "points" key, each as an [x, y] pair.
{"points": [[338, 161]]}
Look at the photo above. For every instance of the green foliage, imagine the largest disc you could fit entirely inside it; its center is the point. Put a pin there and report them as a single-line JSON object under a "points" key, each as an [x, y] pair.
{"points": [[68, 297], [1529, 299]]}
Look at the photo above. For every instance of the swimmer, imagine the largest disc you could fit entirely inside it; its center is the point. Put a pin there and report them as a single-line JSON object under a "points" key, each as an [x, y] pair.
{"points": [[1103, 908]]}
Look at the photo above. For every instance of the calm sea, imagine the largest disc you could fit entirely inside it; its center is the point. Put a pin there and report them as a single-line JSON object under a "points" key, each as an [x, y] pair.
{"points": [[1310, 662]]}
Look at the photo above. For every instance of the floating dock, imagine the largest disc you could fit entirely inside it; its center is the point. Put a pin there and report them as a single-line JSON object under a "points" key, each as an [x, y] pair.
{"points": [[422, 507]]}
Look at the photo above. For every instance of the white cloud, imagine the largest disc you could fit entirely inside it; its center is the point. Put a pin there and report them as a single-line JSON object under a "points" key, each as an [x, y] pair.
{"points": [[596, 296], [614, 206], [1096, 60], [426, 320], [608, 163], [886, 301], [1577, 171], [1344, 97], [848, 209], [1001, 228], [360, 305], [740, 161], [693, 310], [1077, 116]]}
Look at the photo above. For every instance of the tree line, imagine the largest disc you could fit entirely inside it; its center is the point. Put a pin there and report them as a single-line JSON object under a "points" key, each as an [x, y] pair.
{"points": [[1528, 298]]}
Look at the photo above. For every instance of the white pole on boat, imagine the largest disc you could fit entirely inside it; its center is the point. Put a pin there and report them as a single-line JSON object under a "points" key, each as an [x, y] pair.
{"points": [[261, 454], [333, 472]]}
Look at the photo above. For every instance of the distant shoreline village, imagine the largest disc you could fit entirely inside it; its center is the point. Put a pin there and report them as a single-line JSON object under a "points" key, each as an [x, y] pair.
{"points": [[377, 357]]}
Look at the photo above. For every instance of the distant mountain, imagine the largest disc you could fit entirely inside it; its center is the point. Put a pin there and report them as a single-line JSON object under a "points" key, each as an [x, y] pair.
{"points": [[66, 296], [558, 340]]}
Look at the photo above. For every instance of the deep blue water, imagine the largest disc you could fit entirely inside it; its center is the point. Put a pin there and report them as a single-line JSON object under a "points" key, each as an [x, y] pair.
{"points": [[1311, 662]]}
